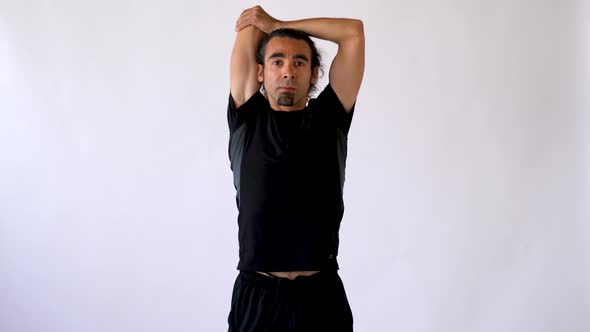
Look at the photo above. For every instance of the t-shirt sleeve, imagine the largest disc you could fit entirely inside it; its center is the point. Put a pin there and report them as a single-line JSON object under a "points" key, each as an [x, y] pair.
{"points": [[330, 106], [237, 116]]}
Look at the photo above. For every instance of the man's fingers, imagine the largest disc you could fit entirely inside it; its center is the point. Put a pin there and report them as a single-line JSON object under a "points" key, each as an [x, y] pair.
{"points": [[240, 21], [242, 25], [243, 21], [244, 12], [248, 17], [247, 11]]}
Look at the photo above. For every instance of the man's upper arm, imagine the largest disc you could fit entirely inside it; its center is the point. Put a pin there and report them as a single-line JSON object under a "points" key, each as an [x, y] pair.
{"points": [[348, 67], [243, 67]]}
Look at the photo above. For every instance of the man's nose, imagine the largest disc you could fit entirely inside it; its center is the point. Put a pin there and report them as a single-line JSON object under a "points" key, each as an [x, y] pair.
{"points": [[289, 72]]}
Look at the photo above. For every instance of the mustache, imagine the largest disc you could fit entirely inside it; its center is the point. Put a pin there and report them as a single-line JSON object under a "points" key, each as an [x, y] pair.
{"points": [[287, 83]]}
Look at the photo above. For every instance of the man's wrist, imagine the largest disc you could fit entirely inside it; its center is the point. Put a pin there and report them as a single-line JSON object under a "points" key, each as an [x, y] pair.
{"points": [[278, 25]]}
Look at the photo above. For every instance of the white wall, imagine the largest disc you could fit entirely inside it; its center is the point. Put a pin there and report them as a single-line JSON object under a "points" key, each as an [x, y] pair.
{"points": [[584, 87], [465, 179]]}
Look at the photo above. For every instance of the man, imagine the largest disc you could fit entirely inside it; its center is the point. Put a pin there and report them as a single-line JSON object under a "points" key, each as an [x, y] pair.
{"points": [[288, 155]]}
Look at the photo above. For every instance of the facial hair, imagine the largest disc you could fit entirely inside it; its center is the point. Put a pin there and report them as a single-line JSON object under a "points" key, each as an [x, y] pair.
{"points": [[286, 99]]}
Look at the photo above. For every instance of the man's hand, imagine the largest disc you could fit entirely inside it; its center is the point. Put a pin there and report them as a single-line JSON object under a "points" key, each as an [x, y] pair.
{"points": [[257, 17]]}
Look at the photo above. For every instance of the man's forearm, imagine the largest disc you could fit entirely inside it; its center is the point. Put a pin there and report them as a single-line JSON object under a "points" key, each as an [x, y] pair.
{"points": [[336, 30], [246, 45], [243, 68]]}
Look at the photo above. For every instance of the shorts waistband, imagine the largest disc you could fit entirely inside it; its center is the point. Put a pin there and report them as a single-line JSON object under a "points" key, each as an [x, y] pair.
{"points": [[257, 278]]}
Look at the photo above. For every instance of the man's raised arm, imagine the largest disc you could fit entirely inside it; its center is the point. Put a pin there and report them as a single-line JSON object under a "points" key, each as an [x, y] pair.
{"points": [[243, 66], [348, 67]]}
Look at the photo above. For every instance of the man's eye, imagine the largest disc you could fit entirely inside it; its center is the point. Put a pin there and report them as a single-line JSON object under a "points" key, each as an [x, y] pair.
{"points": [[276, 62], [299, 63]]}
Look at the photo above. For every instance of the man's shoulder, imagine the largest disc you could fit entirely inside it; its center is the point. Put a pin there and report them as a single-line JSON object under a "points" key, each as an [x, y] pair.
{"points": [[327, 97], [247, 112], [255, 101]]}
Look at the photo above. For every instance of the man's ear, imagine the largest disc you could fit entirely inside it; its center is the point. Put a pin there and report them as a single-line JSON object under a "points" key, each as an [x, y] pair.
{"points": [[260, 73], [314, 75]]}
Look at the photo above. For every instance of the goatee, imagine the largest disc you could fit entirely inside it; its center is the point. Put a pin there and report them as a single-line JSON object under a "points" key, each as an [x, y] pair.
{"points": [[286, 99]]}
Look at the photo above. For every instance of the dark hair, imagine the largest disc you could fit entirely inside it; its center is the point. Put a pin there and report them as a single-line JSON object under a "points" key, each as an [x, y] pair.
{"points": [[293, 34]]}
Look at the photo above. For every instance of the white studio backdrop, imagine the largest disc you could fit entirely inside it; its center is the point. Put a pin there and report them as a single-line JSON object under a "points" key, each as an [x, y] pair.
{"points": [[465, 185]]}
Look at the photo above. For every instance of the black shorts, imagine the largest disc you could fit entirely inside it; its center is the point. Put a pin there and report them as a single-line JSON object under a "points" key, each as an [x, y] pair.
{"points": [[307, 303]]}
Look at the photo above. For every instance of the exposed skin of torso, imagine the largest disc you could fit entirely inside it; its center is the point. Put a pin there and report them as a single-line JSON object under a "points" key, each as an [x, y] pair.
{"points": [[290, 275]]}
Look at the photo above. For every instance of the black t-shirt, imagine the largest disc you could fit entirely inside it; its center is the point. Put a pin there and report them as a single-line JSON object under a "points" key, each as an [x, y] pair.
{"points": [[288, 172]]}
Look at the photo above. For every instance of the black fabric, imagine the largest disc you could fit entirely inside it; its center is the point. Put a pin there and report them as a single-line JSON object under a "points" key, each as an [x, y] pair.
{"points": [[269, 304], [289, 172]]}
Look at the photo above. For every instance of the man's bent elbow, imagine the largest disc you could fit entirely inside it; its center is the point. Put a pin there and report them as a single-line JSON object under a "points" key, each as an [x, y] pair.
{"points": [[358, 28]]}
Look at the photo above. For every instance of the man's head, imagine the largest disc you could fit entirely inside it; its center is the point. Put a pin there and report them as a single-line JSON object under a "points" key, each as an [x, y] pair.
{"points": [[288, 65]]}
